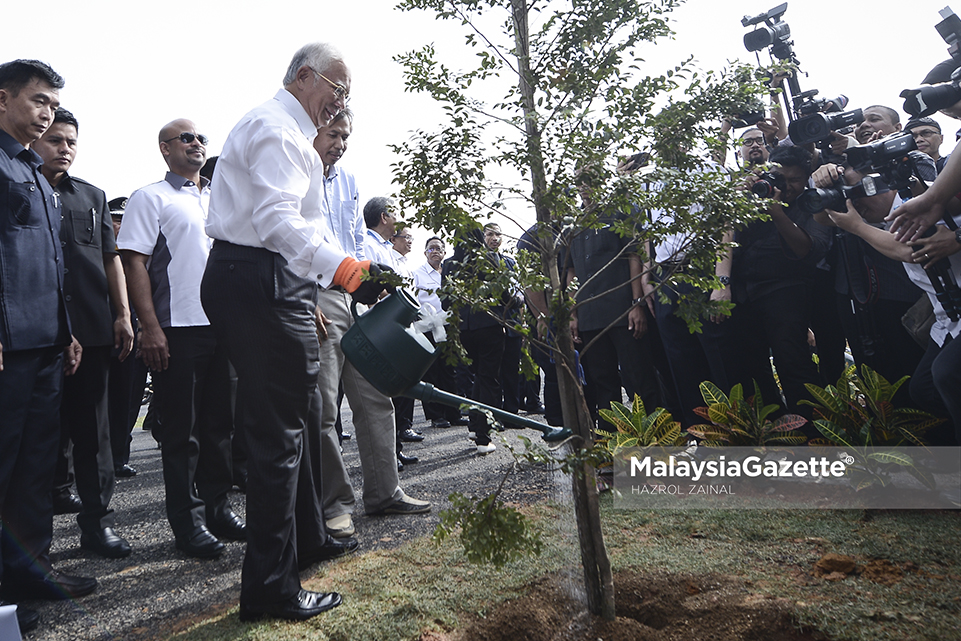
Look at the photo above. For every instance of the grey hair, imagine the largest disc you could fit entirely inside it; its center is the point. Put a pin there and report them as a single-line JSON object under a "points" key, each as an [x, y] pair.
{"points": [[316, 55]]}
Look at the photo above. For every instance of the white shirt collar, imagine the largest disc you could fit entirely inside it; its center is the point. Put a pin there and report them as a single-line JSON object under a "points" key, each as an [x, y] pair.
{"points": [[293, 106]]}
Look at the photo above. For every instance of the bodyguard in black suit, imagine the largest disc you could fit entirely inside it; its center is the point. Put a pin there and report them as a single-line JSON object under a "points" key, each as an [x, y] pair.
{"points": [[33, 333], [93, 278]]}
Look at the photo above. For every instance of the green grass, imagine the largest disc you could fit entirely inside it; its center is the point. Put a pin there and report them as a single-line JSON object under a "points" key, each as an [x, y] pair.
{"points": [[396, 594]]}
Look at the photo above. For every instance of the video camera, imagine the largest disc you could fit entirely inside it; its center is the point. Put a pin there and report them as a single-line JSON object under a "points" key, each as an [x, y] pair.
{"points": [[892, 165], [809, 122], [774, 33], [927, 99]]}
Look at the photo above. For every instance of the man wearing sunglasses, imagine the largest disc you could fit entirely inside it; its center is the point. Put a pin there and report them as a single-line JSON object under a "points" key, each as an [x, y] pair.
{"points": [[273, 247], [164, 251]]}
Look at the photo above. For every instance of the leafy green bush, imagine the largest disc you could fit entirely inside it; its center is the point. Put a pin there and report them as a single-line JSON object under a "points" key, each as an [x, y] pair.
{"points": [[735, 420]]}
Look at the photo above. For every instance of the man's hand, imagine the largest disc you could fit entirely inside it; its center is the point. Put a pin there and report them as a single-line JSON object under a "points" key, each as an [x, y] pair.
{"points": [[848, 220], [637, 321], [154, 349], [321, 322], [770, 128], [914, 216], [826, 175], [71, 357], [930, 249], [841, 143], [123, 337], [717, 295], [575, 336]]}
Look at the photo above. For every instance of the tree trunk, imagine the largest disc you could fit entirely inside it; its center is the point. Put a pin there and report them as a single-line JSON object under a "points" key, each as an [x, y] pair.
{"points": [[598, 580]]}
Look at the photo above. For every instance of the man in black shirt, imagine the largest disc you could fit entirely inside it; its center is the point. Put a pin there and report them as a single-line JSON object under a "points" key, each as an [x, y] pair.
{"points": [[93, 279], [774, 267], [33, 334]]}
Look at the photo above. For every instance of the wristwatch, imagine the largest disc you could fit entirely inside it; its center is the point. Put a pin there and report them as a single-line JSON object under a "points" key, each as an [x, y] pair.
{"points": [[725, 280]]}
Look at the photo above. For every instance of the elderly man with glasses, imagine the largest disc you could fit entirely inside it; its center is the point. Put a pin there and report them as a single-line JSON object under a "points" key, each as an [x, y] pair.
{"points": [[164, 250], [273, 246]]}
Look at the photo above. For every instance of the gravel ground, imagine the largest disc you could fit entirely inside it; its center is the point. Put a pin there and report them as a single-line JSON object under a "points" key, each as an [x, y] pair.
{"points": [[146, 595]]}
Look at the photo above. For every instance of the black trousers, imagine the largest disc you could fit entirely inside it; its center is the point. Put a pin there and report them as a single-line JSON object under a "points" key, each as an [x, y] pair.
{"points": [[777, 324], [510, 375], [84, 421], [878, 339], [485, 347], [31, 384], [264, 314], [945, 361], [616, 360], [195, 426]]}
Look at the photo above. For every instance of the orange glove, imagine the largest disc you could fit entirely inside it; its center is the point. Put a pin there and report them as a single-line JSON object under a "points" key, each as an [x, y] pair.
{"points": [[350, 272]]}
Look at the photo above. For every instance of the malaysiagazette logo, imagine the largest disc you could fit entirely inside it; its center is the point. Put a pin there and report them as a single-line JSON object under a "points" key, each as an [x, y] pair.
{"points": [[676, 468]]}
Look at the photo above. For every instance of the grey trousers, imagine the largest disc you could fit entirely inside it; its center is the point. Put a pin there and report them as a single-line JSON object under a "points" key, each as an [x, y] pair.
{"points": [[373, 421]]}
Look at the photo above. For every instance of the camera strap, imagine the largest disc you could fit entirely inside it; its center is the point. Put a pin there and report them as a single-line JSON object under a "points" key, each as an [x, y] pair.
{"points": [[862, 275]]}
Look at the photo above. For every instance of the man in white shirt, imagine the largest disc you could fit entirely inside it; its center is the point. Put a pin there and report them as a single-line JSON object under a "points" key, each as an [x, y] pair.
{"points": [[402, 241], [164, 250], [273, 246], [373, 412], [427, 282]]}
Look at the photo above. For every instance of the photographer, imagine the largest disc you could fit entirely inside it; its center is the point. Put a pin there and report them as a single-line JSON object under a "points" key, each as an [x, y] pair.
{"points": [[873, 290], [937, 378], [773, 268], [928, 138]]}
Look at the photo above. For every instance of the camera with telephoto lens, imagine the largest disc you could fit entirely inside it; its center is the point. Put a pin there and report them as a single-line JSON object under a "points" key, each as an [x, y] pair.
{"points": [[927, 99], [767, 182], [812, 201]]}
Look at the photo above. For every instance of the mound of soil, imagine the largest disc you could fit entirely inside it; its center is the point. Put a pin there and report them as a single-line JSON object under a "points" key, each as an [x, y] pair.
{"points": [[650, 607]]}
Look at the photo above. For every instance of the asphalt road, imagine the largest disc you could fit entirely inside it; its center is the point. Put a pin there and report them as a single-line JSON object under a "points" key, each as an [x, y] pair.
{"points": [[157, 588]]}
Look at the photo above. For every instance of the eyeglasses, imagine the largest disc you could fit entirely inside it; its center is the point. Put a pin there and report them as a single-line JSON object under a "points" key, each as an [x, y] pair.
{"points": [[406, 237], [339, 90], [187, 138], [435, 250], [747, 142], [927, 133]]}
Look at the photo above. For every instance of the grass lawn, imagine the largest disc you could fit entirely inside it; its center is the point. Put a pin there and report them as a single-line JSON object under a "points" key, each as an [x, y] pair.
{"points": [[399, 594]]}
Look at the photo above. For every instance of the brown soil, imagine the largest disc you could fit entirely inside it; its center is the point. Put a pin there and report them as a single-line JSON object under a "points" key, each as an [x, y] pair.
{"points": [[650, 607]]}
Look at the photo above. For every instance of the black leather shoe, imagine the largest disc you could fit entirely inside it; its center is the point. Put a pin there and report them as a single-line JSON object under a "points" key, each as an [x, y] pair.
{"points": [[200, 544], [410, 436], [346, 436], [406, 460], [297, 608], [331, 549], [228, 526], [55, 586], [440, 423], [66, 503], [459, 421], [124, 472], [106, 543], [27, 619]]}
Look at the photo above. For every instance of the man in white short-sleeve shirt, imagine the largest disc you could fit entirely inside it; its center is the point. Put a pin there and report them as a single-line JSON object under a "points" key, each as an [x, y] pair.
{"points": [[164, 250]]}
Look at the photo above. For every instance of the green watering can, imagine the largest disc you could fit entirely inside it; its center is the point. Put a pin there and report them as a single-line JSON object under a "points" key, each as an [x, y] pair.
{"points": [[387, 351]]}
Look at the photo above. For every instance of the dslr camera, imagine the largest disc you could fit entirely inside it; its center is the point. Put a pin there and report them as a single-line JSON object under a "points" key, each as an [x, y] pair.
{"points": [[767, 183]]}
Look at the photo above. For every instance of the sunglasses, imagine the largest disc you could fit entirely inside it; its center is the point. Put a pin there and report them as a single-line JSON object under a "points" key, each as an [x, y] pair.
{"points": [[187, 138]]}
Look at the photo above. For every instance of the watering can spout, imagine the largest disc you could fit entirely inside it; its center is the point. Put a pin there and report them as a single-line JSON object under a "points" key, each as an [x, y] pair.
{"points": [[393, 357], [426, 392]]}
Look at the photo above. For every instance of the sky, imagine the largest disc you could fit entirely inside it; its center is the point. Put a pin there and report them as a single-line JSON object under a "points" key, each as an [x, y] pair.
{"points": [[132, 67]]}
